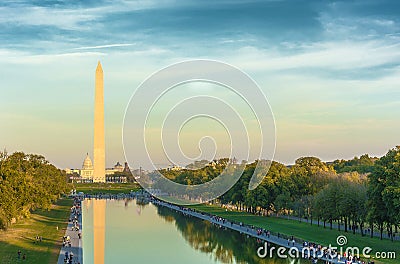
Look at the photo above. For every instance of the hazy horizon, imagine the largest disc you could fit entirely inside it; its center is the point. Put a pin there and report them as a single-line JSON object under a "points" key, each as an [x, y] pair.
{"points": [[184, 165]]}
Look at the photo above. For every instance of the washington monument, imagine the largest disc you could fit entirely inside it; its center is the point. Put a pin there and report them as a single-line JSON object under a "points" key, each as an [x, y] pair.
{"points": [[99, 173]]}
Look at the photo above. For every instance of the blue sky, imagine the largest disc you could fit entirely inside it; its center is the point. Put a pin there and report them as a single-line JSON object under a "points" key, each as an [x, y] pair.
{"points": [[330, 69]]}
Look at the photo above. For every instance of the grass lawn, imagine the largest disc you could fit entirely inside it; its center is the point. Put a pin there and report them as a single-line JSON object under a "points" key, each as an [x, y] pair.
{"points": [[21, 236], [113, 188], [305, 231]]}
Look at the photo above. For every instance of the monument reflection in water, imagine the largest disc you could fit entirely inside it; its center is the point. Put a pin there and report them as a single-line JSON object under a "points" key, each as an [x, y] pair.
{"points": [[140, 233], [95, 210], [99, 226]]}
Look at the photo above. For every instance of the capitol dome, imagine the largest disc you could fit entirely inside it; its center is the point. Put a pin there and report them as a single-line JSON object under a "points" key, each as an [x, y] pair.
{"points": [[87, 163]]}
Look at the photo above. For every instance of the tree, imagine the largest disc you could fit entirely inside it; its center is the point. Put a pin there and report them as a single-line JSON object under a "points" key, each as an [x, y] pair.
{"points": [[27, 182], [364, 164], [384, 191]]}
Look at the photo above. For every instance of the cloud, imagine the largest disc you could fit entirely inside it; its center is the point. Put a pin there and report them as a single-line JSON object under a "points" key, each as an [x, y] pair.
{"points": [[339, 55], [19, 57], [105, 46], [44, 16], [348, 42], [68, 17]]}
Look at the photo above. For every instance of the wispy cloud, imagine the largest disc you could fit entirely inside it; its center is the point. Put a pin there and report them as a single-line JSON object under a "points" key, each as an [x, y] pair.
{"points": [[341, 55], [18, 57], [105, 46], [70, 15], [67, 17], [43, 16]]}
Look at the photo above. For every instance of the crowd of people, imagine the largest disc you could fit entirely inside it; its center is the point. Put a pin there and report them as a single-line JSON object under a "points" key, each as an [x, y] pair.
{"points": [[106, 196], [76, 211], [330, 254], [69, 257]]}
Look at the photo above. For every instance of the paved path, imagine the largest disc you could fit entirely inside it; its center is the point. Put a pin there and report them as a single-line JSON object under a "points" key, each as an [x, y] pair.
{"points": [[251, 231], [76, 243]]}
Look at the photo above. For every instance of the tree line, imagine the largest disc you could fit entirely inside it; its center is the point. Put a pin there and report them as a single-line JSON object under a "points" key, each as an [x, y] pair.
{"points": [[357, 195], [27, 182]]}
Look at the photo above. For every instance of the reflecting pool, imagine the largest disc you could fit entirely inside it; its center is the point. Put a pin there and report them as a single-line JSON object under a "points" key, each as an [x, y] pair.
{"points": [[144, 233]]}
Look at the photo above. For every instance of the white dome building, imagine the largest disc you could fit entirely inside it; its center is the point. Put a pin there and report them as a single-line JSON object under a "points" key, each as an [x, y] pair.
{"points": [[87, 163], [87, 168]]}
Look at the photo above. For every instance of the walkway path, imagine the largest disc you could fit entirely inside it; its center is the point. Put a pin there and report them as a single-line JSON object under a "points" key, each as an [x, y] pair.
{"points": [[76, 242]]}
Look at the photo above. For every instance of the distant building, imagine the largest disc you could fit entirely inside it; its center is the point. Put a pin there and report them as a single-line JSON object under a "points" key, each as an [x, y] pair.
{"points": [[117, 168], [85, 174], [87, 169], [126, 168], [174, 167]]}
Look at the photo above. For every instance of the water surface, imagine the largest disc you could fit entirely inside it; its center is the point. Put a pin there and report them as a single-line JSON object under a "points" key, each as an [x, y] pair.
{"points": [[137, 233]]}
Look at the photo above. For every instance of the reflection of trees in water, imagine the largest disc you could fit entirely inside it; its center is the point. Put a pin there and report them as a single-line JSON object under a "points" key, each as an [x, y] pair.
{"points": [[127, 201], [140, 205], [142, 201], [226, 246]]}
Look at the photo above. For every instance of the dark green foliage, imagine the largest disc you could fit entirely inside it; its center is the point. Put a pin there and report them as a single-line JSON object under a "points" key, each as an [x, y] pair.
{"points": [[27, 182], [354, 193], [364, 164], [384, 191]]}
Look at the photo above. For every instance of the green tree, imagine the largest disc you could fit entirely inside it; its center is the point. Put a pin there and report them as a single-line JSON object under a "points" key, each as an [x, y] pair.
{"points": [[384, 191], [27, 182]]}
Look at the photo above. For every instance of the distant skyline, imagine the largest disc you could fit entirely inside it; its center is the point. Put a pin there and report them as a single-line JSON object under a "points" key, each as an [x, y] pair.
{"points": [[330, 69]]}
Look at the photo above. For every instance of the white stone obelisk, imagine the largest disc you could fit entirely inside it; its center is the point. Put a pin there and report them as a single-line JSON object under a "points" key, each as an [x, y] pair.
{"points": [[99, 173]]}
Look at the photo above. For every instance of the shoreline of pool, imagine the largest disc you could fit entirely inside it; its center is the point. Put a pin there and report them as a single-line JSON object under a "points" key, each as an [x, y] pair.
{"points": [[241, 228]]}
